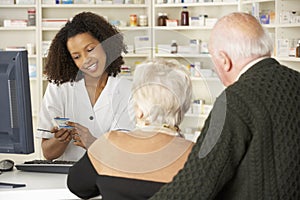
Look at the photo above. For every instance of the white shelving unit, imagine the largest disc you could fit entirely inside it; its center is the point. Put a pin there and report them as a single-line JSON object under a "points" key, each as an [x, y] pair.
{"points": [[206, 88], [109, 11], [277, 28]]}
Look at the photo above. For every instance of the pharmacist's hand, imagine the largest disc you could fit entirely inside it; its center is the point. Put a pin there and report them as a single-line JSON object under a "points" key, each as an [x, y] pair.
{"points": [[81, 135], [62, 135]]}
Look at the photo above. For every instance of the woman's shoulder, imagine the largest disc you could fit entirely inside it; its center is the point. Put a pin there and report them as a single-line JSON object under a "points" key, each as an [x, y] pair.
{"points": [[121, 82]]}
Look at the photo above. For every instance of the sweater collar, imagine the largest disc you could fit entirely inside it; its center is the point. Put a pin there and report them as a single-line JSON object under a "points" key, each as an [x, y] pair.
{"points": [[249, 65]]}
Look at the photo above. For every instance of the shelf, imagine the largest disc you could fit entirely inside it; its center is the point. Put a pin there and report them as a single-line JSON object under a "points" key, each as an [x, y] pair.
{"points": [[178, 55], [80, 6], [17, 6], [196, 115], [133, 55], [130, 77], [257, 1], [127, 28], [205, 78], [133, 28], [290, 59], [28, 28], [297, 25], [186, 28], [269, 25], [208, 4]]}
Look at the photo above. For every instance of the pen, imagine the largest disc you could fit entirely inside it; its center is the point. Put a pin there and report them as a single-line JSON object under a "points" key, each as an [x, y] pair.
{"points": [[39, 129]]}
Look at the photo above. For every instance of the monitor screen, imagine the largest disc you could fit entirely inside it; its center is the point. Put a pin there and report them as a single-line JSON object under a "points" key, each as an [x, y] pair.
{"points": [[16, 133]]}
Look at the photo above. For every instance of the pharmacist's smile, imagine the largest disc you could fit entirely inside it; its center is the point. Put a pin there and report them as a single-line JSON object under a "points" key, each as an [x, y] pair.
{"points": [[91, 68]]}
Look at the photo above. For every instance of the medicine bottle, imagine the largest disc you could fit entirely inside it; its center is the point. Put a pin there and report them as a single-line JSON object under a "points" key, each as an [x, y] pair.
{"points": [[31, 17], [165, 18], [133, 20], [160, 19], [143, 20], [174, 46], [298, 49], [184, 17]]}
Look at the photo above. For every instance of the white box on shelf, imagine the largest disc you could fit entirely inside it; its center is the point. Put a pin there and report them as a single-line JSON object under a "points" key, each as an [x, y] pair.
{"points": [[184, 49], [6, 2], [17, 23], [84, 1], [54, 22], [283, 47], [205, 72], [130, 49], [210, 22], [25, 2], [142, 44], [171, 22], [196, 21], [45, 47], [32, 70], [206, 109], [163, 48], [285, 17], [195, 46], [48, 2]]}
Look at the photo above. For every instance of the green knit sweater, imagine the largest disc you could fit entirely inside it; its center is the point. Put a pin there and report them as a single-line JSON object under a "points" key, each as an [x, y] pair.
{"points": [[250, 144]]}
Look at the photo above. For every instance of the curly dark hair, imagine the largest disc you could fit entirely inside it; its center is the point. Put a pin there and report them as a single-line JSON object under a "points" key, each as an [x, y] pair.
{"points": [[61, 68]]}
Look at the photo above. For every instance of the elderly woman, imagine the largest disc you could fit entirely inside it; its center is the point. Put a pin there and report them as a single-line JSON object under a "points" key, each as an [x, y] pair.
{"points": [[135, 164]]}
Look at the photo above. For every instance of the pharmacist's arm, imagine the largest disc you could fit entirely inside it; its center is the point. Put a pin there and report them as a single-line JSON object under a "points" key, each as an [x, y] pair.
{"points": [[54, 147]]}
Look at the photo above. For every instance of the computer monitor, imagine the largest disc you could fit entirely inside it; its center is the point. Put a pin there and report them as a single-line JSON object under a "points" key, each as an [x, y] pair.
{"points": [[16, 133]]}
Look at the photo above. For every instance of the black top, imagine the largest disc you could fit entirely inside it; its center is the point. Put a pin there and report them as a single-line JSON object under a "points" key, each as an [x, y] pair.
{"points": [[251, 149], [85, 182]]}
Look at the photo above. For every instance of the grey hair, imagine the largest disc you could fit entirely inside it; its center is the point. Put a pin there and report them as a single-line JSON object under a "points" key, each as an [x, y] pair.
{"points": [[240, 35], [163, 91]]}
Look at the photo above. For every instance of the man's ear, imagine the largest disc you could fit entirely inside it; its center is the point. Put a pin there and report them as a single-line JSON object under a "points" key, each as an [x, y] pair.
{"points": [[226, 61]]}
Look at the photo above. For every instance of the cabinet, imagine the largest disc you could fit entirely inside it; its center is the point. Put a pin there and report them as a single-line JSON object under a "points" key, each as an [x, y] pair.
{"points": [[284, 26], [21, 37], [206, 87], [192, 51], [109, 11]]}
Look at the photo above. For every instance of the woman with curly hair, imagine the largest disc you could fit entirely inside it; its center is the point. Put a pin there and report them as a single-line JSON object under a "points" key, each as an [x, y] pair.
{"points": [[83, 62]]}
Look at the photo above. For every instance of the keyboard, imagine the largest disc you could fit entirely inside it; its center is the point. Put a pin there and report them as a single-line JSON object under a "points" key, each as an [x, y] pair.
{"points": [[55, 166]]}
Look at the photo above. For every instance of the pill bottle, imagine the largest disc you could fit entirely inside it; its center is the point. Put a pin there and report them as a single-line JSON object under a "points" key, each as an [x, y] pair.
{"points": [[174, 46], [160, 19], [133, 20], [165, 18], [31, 17], [143, 20], [184, 16], [298, 49]]}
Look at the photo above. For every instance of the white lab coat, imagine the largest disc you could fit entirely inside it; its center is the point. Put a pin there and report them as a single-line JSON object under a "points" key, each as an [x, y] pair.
{"points": [[110, 112]]}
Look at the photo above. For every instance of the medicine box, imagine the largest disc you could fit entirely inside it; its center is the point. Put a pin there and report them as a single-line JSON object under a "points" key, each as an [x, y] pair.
{"points": [[84, 1], [25, 2], [163, 48], [54, 22], [6, 2], [210, 22], [49, 2], [283, 47], [66, 1], [142, 44]]}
